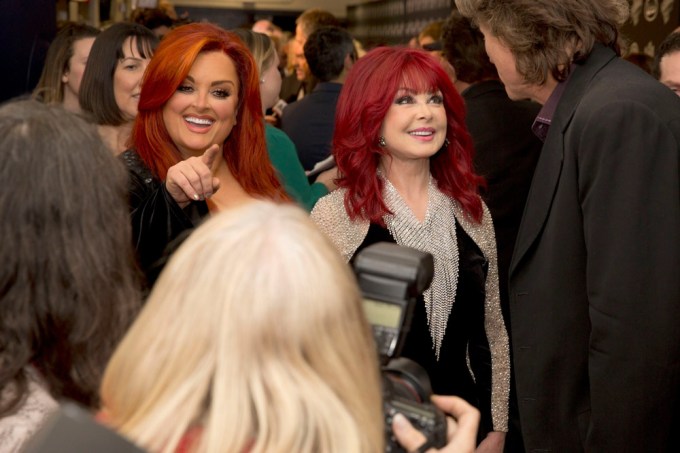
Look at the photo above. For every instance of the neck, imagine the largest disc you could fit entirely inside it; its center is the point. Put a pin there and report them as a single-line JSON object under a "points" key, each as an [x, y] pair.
{"points": [[461, 86], [411, 179], [115, 137], [71, 102], [230, 194], [544, 91]]}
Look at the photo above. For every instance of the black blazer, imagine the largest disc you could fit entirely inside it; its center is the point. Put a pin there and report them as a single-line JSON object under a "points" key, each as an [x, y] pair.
{"points": [[506, 152], [595, 275], [310, 122]]}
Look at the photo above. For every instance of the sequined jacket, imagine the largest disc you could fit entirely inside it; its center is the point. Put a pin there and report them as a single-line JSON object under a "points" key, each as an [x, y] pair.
{"points": [[347, 235]]}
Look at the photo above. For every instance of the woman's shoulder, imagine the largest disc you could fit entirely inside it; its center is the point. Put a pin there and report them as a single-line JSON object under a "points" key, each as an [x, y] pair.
{"points": [[331, 216], [19, 426], [134, 162], [481, 232]]}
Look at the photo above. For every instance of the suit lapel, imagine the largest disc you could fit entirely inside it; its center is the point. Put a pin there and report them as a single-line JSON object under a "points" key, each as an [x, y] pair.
{"points": [[541, 194], [549, 166]]}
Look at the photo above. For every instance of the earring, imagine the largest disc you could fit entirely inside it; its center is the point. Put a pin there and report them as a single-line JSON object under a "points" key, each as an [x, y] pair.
{"points": [[446, 143], [262, 80], [381, 141]]}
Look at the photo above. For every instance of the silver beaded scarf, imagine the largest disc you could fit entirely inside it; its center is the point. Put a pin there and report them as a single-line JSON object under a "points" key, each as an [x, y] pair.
{"points": [[436, 235]]}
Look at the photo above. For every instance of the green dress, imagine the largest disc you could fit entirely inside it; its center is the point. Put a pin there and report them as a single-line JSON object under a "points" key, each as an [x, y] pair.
{"points": [[285, 159]]}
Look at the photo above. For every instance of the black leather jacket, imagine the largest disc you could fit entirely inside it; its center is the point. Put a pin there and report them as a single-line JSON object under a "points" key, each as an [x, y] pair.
{"points": [[159, 224]]}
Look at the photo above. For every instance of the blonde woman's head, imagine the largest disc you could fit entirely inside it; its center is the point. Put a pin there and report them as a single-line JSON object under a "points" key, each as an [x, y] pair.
{"points": [[263, 49], [254, 334]]}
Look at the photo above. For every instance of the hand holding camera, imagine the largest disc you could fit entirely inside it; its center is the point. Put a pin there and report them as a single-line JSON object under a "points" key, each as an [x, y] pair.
{"points": [[462, 423]]}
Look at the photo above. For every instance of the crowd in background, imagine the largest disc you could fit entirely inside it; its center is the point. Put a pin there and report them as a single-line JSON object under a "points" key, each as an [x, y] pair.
{"points": [[184, 204]]}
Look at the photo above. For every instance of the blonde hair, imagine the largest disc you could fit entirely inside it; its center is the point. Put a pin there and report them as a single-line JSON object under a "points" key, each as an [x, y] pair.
{"points": [[261, 46], [255, 335]]}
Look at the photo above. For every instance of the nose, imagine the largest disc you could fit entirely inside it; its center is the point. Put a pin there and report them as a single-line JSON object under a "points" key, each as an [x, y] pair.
{"points": [[424, 110], [201, 100]]}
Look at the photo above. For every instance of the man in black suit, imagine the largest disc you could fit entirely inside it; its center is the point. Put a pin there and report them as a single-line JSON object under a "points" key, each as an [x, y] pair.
{"points": [[595, 275], [310, 122], [506, 151]]}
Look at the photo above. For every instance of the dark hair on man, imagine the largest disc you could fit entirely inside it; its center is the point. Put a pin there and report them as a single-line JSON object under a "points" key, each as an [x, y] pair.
{"points": [[463, 47], [546, 37], [326, 50], [669, 45], [50, 88], [151, 18], [68, 289], [315, 18], [96, 90]]}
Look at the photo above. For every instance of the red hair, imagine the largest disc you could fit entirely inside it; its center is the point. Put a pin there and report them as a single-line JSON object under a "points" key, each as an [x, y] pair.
{"points": [[364, 100], [245, 150]]}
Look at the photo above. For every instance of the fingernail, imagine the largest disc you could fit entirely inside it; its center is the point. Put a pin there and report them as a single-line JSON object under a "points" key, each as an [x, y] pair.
{"points": [[196, 197], [399, 421], [208, 195]]}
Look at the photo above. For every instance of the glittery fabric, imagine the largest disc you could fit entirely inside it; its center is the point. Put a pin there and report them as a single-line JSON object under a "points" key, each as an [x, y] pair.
{"points": [[331, 217], [18, 427], [435, 235], [484, 236]]}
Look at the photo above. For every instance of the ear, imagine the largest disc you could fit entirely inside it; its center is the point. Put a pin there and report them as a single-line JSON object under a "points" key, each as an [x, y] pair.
{"points": [[349, 62], [64, 77]]}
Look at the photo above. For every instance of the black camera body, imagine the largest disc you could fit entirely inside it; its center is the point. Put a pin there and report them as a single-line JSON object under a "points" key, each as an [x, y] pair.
{"points": [[391, 278]]}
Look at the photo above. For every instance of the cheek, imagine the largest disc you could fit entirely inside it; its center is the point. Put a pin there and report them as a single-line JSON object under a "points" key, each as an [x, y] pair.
{"points": [[171, 117], [226, 113], [119, 85]]}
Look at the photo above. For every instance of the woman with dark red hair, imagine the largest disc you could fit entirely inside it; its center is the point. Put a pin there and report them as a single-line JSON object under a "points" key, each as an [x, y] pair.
{"points": [[405, 162], [199, 129]]}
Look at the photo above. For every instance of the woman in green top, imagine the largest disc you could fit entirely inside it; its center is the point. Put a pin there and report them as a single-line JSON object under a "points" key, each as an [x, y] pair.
{"points": [[281, 149]]}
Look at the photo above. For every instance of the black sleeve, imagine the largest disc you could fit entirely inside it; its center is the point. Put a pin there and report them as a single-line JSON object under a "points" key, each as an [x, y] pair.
{"points": [[157, 220]]}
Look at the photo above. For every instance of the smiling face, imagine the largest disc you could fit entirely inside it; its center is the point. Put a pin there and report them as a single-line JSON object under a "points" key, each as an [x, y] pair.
{"points": [[300, 62], [127, 79], [415, 125], [203, 109]]}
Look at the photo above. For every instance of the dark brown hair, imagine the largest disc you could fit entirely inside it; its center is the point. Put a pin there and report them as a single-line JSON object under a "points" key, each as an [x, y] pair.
{"points": [[68, 289], [463, 47], [96, 90]]}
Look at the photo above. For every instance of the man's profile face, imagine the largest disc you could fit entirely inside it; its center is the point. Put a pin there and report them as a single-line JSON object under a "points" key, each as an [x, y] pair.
{"points": [[669, 71], [299, 60], [506, 65]]}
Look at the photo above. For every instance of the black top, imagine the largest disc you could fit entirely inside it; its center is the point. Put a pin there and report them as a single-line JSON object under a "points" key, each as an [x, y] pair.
{"points": [[310, 122], [506, 152], [465, 331], [157, 219]]}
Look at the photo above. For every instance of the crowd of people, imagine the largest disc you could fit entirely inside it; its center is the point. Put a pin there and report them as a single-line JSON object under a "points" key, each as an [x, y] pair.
{"points": [[182, 211]]}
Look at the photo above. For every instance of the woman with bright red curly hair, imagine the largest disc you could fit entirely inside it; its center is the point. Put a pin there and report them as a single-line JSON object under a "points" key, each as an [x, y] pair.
{"points": [[405, 162], [199, 129]]}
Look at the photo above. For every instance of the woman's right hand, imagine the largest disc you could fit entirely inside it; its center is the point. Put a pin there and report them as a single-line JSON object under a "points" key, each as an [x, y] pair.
{"points": [[463, 422], [192, 179]]}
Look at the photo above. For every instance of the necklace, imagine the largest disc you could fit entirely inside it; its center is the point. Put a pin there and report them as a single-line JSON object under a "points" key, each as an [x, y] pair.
{"points": [[435, 235]]}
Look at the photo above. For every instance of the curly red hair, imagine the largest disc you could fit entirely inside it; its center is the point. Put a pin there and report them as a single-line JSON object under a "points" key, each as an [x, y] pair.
{"points": [[245, 150], [364, 101]]}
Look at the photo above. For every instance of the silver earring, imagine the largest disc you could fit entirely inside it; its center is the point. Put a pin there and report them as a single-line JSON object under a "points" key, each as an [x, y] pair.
{"points": [[381, 141], [262, 80], [446, 143]]}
